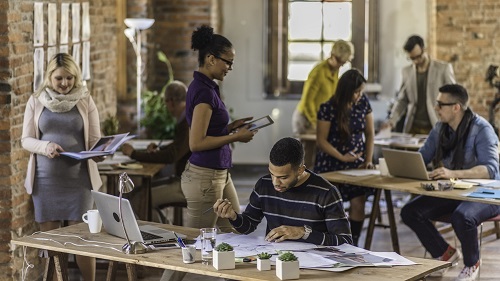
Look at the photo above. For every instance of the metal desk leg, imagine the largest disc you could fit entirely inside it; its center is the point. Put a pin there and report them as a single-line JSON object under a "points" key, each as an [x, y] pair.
{"points": [[373, 218], [392, 221]]}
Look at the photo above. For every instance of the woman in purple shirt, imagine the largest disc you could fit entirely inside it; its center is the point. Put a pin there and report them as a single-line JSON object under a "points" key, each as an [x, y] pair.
{"points": [[206, 177]]}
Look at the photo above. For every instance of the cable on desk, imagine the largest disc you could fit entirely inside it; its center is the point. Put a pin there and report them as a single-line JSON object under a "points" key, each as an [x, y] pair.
{"points": [[24, 272], [27, 265]]}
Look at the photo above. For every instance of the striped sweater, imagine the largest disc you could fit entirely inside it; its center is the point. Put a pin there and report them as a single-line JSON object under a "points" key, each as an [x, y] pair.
{"points": [[316, 203]]}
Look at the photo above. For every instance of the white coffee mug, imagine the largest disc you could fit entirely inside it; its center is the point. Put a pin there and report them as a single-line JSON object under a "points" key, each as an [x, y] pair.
{"points": [[93, 219]]}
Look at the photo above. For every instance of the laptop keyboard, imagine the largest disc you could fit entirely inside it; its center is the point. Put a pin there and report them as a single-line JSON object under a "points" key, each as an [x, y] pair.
{"points": [[149, 236]]}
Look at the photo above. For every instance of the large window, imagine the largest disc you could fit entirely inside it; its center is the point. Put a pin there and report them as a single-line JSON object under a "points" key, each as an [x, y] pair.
{"points": [[312, 29], [301, 34]]}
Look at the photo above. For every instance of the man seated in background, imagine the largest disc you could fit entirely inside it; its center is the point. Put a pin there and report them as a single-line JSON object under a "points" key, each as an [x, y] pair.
{"points": [[297, 203], [420, 83], [176, 153], [461, 145]]}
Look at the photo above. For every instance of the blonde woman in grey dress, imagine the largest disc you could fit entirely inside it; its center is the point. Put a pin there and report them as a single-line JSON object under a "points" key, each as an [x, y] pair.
{"points": [[61, 116]]}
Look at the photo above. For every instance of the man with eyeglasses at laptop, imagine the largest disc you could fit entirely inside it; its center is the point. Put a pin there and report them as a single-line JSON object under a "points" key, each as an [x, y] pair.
{"points": [[461, 145], [420, 83]]}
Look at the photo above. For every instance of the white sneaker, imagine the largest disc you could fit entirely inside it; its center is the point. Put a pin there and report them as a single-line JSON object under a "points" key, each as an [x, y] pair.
{"points": [[453, 260], [469, 273]]}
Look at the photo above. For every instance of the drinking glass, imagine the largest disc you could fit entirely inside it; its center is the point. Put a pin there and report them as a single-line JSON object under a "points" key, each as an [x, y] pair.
{"points": [[208, 236]]}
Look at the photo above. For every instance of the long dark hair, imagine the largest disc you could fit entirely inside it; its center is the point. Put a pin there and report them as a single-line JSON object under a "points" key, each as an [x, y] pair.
{"points": [[347, 85], [206, 42]]}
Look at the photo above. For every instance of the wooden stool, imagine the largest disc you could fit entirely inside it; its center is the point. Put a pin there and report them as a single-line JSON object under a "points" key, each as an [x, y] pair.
{"points": [[131, 271], [56, 263]]}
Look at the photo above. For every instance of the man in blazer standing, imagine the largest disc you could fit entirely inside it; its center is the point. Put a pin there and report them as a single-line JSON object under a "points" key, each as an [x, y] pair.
{"points": [[419, 89]]}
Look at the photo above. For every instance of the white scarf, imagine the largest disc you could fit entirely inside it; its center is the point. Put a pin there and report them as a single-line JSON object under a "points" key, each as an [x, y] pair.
{"points": [[56, 102]]}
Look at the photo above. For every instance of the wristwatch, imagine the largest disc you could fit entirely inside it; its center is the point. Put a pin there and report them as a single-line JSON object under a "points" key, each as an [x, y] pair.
{"points": [[308, 231]]}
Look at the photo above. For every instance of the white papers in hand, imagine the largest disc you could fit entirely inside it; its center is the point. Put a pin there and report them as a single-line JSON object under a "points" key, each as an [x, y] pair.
{"points": [[384, 133]]}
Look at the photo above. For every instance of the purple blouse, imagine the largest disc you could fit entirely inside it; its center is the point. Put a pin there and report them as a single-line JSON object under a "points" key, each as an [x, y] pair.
{"points": [[204, 90]]}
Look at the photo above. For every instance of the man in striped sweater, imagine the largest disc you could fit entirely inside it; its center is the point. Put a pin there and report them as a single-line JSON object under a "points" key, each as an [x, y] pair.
{"points": [[297, 203]]}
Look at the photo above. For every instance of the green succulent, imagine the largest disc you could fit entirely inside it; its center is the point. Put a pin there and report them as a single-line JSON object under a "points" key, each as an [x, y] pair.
{"points": [[264, 256], [288, 256], [223, 247]]}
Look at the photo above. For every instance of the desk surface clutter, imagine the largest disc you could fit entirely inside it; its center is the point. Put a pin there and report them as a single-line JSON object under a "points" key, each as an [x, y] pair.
{"points": [[77, 240]]}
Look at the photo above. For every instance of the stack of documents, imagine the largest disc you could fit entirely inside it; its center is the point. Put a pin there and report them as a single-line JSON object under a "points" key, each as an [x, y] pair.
{"points": [[329, 258]]}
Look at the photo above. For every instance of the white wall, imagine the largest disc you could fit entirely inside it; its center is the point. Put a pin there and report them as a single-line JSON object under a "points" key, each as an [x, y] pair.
{"points": [[398, 20], [244, 24]]}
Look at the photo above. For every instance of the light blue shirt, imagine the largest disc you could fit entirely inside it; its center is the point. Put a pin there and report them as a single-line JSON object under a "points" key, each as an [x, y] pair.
{"points": [[481, 147]]}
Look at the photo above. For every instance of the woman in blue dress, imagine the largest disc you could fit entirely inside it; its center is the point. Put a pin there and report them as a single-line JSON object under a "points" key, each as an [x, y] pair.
{"points": [[345, 141]]}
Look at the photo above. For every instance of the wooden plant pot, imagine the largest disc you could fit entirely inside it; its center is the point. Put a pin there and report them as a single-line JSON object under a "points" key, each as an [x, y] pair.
{"points": [[223, 260], [263, 265], [287, 270]]}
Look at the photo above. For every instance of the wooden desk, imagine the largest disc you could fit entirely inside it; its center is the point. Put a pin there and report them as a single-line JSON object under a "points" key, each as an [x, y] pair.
{"points": [[172, 259], [402, 141], [388, 184], [309, 143], [147, 173]]}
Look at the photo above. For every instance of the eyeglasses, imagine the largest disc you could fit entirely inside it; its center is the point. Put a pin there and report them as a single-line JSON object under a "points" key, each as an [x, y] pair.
{"points": [[417, 57], [440, 104], [228, 62]]}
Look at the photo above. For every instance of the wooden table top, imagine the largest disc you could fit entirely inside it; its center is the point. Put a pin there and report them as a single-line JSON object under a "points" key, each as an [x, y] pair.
{"points": [[148, 170], [68, 242], [404, 185]]}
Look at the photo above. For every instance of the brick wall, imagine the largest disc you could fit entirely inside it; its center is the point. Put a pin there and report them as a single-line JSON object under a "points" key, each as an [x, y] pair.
{"points": [[467, 34], [16, 83], [175, 21]]}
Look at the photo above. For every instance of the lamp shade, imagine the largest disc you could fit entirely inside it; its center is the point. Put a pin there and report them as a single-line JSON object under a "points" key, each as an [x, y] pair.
{"points": [[126, 185], [139, 23]]}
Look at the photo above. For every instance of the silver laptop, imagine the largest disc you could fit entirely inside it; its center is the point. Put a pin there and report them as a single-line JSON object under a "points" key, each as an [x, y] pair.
{"points": [[108, 209], [405, 164]]}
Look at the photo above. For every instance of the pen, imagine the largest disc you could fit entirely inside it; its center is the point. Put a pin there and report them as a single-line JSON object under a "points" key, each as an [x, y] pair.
{"points": [[353, 154], [207, 210], [211, 208], [487, 192], [181, 244]]}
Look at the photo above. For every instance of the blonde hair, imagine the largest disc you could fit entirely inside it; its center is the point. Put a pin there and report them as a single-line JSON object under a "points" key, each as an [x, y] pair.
{"points": [[65, 61], [344, 50]]}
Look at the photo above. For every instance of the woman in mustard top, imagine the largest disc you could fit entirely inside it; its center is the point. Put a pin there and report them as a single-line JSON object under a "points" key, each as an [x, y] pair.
{"points": [[318, 88]]}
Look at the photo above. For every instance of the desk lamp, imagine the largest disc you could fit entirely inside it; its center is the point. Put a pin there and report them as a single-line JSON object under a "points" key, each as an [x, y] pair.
{"points": [[131, 247]]}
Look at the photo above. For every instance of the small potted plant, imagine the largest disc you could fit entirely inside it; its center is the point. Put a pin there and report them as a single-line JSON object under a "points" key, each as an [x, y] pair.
{"points": [[287, 266], [223, 256], [263, 261]]}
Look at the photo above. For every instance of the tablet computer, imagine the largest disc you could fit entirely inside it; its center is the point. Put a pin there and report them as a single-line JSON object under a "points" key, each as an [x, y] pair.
{"points": [[259, 123]]}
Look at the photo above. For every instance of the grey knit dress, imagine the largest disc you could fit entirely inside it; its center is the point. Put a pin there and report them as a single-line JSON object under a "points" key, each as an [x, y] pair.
{"points": [[62, 185]]}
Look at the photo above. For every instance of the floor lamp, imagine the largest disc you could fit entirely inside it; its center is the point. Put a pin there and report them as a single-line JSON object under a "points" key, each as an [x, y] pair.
{"points": [[133, 33]]}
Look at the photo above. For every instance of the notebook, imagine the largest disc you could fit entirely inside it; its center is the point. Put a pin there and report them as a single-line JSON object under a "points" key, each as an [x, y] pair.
{"points": [[405, 164], [108, 209]]}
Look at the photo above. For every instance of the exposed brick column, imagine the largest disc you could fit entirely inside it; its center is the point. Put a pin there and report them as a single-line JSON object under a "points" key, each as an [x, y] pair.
{"points": [[16, 84], [466, 34]]}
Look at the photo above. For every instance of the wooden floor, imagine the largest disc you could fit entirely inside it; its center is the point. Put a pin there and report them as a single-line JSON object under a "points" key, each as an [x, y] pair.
{"points": [[410, 246]]}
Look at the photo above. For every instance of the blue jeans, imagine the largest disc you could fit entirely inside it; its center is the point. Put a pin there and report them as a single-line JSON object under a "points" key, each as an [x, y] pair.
{"points": [[419, 213]]}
